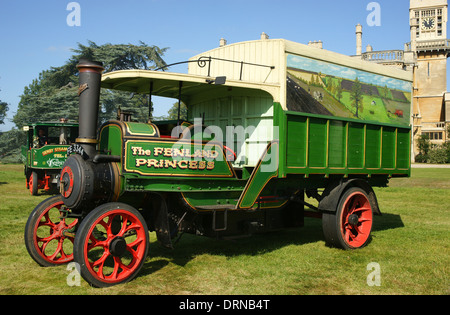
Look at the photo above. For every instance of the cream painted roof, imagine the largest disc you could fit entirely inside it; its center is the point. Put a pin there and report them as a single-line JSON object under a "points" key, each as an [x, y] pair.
{"points": [[167, 83]]}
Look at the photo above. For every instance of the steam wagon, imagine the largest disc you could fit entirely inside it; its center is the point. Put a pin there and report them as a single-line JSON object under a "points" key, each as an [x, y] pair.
{"points": [[270, 122], [46, 152]]}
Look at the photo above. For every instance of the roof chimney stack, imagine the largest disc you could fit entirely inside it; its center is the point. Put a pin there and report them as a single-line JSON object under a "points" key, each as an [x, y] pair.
{"points": [[358, 40]]}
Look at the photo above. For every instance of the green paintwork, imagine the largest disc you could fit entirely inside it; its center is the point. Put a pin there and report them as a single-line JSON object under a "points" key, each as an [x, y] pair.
{"points": [[52, 155], [308, 149], [175, 158], [47, 157], [266, 169], [110, 139], [147, 154], [313, 144], [322, 145], [139, 129]]}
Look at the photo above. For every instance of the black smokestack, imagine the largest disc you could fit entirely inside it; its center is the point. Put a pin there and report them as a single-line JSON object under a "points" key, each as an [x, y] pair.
{"points": [[89, 97]]}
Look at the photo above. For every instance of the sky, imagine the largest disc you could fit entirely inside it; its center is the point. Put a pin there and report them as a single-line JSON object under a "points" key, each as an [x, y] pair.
{"points": [[35, 35]]}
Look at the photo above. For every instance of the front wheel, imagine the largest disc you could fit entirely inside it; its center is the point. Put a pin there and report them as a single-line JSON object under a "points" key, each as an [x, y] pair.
{"points": [[350, 226], [111, 244], [49, 233]]}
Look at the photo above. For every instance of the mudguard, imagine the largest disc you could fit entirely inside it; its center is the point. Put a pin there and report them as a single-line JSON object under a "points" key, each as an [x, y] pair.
{"points": [[332, 194]]}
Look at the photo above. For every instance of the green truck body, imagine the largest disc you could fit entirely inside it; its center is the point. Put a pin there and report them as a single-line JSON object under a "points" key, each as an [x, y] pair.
{"points": [[43, 161]]}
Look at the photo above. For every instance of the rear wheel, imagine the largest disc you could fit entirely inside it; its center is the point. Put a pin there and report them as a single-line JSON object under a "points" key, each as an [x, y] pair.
{"points": [[350, 226], [111, 244], [48, 234]]}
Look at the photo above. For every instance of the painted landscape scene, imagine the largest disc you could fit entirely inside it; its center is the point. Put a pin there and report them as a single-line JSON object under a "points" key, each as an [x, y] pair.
{"points": [[322, 88]]}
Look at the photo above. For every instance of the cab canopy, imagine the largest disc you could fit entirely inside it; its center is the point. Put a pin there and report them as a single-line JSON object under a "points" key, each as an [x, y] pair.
{"points": [[57, 132]]}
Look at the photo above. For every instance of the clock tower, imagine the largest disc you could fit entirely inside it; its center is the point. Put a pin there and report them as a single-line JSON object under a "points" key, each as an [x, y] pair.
{"points": [[428, 25]]}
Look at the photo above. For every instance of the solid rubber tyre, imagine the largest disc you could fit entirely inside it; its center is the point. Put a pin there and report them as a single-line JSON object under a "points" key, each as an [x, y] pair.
{"points": [[44, 233], [350, 226], [111, 244], [34, 183]]}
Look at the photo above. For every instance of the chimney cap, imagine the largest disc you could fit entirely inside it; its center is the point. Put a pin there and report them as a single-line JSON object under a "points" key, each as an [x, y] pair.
{"points": [[85, 65], [264, 36]]}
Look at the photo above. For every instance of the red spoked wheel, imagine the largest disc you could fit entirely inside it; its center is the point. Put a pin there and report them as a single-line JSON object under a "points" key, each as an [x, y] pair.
{"points": [[111, 245], [49, 233], [351, 225]]}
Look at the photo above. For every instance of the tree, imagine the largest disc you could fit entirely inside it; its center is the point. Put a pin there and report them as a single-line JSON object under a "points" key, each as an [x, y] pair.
{"points": [[356, 96], [173, 112], [121, 57], [3, 109], [53, 94], [10, 145], [339, 90], [424, 146], [386, 91]]}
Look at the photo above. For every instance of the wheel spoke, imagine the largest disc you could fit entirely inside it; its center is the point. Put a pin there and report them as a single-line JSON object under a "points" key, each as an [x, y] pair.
{"points": [[115, 274], [101, 263], [123, 227], [47, 239], [58, 250], [348, 235], [48, 222]]}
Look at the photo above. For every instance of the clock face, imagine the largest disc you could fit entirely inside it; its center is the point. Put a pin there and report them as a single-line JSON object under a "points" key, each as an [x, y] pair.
{"points": [[428, 23]]}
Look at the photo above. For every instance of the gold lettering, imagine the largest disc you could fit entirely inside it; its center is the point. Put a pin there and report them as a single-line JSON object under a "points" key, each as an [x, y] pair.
{"points": [[152, 162], [140, 162], [184, 166], [193, 165], [170, 163], [46, 152], [140, 151], [176, 152], [168, 152], [158, 151], [210, 165], [201, 165]]}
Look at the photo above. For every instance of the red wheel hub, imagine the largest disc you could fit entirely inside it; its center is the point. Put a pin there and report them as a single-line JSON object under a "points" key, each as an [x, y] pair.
{"points": [[66, 182], [356, 220]]}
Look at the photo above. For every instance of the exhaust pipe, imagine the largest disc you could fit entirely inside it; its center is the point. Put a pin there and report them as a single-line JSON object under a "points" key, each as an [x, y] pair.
{"points": [[87, 181], [90, 74]]}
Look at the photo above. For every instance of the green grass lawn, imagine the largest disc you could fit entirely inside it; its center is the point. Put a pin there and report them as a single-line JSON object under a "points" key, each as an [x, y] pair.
{"points": [[410, 244]]}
